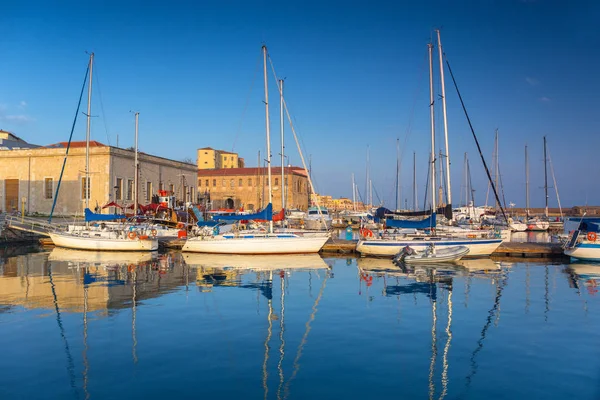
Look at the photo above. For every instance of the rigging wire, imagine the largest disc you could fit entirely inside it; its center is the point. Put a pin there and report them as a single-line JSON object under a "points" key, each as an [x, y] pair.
{"points": [[487, 171], [102, 106], [239, 130]]}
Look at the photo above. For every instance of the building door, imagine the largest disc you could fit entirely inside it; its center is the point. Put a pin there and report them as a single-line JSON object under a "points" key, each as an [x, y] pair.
{"points": [[229, 203], [11, 189]]}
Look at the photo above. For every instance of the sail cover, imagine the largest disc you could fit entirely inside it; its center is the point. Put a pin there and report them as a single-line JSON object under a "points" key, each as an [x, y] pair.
{"points": [[266, 214], [91, 216], [426, 223]]}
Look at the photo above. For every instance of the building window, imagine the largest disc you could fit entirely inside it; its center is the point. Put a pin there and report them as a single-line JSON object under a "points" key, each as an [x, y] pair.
{"points": [[231, 183], [206, 152], [85, 188], [214, 182], [205, 162], [249, 181], [225, 158], [48, 188], [276, 181], [119, 189], [148, 191], [206, 183], [223, 183], [286, 182], [199, 182], [240, 183], [129, 189]]}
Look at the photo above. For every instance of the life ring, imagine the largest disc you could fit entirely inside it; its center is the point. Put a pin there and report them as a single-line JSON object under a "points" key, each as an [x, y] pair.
{"points": [[131, 235], [591, 236], [179, 225], [366, 232], [153, 232], [242, 226], [130, 267]]}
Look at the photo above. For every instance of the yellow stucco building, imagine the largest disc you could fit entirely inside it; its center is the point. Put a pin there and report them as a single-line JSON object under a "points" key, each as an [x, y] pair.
{"points": [[29, 177], [209, 158], [234, 188]]}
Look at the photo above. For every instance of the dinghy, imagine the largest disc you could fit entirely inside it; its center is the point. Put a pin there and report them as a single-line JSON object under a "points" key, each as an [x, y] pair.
{"points": [[431, 255]]}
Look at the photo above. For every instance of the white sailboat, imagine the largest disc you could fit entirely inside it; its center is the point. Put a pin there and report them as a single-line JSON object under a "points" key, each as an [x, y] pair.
{"points": [[92, 238], [257, 242], [390, 246]]}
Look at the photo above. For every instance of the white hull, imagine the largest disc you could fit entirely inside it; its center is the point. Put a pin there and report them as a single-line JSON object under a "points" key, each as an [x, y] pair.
{"points": [[538, 225], [255, 262], [103, 243], [518, 227], [255, 244], [389, 248], [585, 251]]}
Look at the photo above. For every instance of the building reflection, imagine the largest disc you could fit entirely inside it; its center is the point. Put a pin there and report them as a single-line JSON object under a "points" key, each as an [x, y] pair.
{"points": [[38, 280]]}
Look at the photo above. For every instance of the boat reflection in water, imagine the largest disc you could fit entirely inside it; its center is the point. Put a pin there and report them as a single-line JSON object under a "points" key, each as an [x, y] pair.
{"points": [[586, 274]]}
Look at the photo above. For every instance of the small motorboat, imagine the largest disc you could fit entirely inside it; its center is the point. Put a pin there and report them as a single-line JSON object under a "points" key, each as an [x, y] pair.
{"points": [[431, 255]]}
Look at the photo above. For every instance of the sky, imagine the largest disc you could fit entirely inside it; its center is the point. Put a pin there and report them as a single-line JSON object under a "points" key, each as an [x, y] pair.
{"points": [[356, 79]]}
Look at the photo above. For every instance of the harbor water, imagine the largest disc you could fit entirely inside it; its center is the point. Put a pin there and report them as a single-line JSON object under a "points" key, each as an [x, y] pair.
{"points": [[85, 325]]}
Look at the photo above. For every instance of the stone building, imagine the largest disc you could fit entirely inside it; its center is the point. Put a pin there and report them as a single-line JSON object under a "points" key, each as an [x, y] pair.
{"points": [[234, 188], [29, 177], [209, 158]]}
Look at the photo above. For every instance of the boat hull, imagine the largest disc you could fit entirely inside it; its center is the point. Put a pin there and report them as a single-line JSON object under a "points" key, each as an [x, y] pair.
{"points": [[389, 248], [103, 243], [585, 251], [268, 244]]}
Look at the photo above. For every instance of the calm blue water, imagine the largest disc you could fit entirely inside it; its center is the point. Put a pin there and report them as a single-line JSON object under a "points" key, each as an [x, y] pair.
{"points": [[94, 326]]}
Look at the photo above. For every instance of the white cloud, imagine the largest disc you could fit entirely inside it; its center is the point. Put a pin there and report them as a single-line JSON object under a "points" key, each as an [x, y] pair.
{"points": [[544, 99], [22, 104], [21, 119], [532, 81]]}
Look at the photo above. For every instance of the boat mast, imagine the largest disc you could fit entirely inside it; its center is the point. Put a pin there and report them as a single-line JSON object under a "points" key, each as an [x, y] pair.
{"points": [[415, 206], [545, 179], [86, 189], [136, 165], [367, 180], [496, 166], [264, 48], [397, 170], [282, 145], [526, 182], [448, 187], [466, 183], [353, 194], [432, 116]]}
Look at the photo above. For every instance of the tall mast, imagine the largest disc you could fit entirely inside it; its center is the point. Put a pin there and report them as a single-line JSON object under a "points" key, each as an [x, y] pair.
{"points": [[397, 170], [496, 166], [415, 206], [86, 189], [264, 48], [370, 194], [448, 187], [526, 182], [545, 179], [432, 116], [282, 145], [466, 182], [136, 166], [353, 194], [368, 200]]}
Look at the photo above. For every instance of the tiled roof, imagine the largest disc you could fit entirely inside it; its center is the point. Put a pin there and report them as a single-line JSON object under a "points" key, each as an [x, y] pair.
{"points": [[81, 143], [275, 171]]}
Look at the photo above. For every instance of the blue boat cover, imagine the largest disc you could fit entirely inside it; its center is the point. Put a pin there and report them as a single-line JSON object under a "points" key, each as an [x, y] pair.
{"points": [[588, 226], [426, 223], [266, 214], [91, 216]]}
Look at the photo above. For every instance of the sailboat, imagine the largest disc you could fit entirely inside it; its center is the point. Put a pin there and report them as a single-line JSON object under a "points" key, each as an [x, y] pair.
{"points": [[391, 245], [267, 242], [102, 237]]}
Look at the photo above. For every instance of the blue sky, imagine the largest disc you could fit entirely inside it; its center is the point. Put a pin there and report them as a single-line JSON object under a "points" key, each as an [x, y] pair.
{"points": [[356, 75]]}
